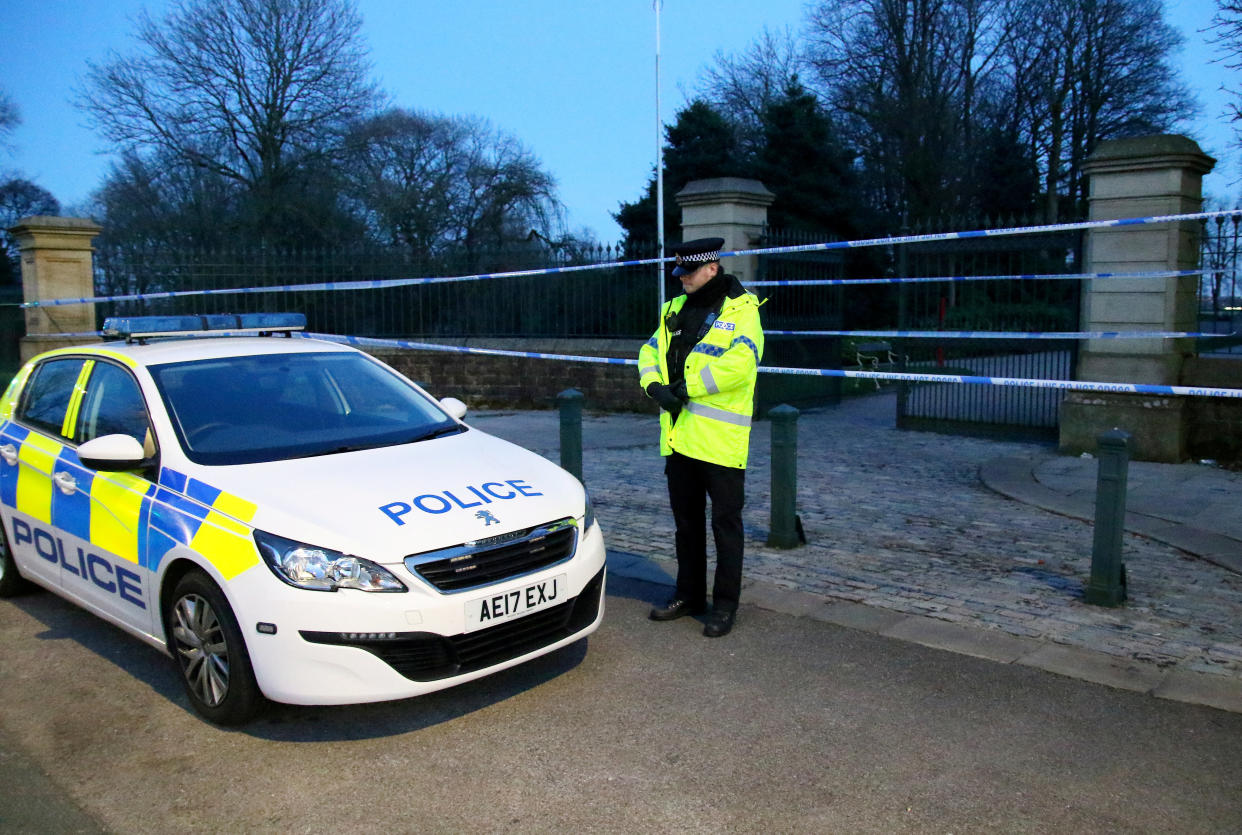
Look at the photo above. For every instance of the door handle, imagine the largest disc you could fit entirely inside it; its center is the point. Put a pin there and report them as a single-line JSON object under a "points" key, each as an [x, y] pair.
{"points": [[9, 453], [66, 483]]}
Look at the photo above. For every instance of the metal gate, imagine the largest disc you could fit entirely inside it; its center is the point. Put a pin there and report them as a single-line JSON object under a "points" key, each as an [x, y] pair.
{"points": [[1019, 305], [1220, 290]]}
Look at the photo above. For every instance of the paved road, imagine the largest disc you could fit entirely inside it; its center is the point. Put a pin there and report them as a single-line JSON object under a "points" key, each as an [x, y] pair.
{"points": [[789, 725], [906, 539]]}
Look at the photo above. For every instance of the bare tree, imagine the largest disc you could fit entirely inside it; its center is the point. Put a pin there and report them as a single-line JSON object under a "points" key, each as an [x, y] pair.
{"points": [[1227, 38], [907, 75], [159, 200], [1090, 70], [742, 88], [19, 198], [438, 184], [10, 118], [931, 89], [258, 92]]}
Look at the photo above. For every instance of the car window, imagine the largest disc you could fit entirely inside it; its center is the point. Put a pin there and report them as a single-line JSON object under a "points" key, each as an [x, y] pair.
{"points": [[269, 407], [113, 404], [48, 392]]}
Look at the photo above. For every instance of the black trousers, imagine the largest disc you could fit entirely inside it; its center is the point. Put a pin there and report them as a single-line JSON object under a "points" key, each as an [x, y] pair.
{"points": [[690, 483]]}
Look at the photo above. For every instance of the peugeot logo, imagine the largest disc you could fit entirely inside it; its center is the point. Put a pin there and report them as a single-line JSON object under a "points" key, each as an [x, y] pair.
{"points": [[487, 517]]}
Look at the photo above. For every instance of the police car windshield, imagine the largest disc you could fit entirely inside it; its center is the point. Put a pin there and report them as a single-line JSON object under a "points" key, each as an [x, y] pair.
{"points": [[273, 407]]}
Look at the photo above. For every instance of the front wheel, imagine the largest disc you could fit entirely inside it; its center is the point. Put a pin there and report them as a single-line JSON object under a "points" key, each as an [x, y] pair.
{"points": [[204, 638], [11, 582]]}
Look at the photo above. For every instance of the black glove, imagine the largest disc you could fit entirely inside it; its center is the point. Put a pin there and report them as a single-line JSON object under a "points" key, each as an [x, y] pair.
{"points": [[664, 395]]}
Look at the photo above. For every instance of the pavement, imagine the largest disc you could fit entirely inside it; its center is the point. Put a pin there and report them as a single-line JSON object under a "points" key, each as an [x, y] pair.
{"points": [[966, 545]]}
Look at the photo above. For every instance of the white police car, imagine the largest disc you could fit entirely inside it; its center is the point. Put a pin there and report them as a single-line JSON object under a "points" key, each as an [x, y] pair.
{"points": [[286, 517]]}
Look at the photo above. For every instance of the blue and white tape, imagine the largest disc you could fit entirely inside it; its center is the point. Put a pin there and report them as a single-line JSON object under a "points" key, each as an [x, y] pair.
{"points": [[838, 282], [775, 250], [1072, 385], [1069, 385], [988, 233], [369, 342], [1062, 335]]}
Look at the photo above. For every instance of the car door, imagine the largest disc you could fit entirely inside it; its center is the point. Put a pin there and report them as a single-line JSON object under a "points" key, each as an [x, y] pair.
{"points": [[31, 446], [106, 567]]}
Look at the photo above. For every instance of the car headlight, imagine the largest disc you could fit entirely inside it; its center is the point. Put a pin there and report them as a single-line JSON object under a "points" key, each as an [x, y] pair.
{"points": [[588, 516], [320, 569]]}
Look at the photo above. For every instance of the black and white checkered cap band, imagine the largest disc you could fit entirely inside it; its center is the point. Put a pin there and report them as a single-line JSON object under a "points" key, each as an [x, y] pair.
{"points": [[699, 258]]}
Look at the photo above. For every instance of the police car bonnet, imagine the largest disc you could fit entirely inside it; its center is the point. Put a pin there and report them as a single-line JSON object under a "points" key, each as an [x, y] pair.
{"points": [[691, 255]]}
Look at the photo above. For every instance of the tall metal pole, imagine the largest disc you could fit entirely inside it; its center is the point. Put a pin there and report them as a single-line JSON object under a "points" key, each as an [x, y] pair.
{"points": [[657, 5]]}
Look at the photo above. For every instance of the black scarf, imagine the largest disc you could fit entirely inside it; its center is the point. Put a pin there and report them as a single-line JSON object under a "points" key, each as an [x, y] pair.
{"points": [[690, 320]]}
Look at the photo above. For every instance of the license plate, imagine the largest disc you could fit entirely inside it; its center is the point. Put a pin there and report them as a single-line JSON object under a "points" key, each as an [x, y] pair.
{"points": [[488, 611]]}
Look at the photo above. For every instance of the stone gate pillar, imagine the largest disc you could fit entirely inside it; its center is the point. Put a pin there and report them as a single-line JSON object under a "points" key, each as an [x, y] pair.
{"points": [[731, 208], [57, 263], [1139, 177]]}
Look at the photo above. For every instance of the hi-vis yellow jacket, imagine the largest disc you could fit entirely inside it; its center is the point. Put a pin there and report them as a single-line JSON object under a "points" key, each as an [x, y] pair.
{"points": [[720, 379]]}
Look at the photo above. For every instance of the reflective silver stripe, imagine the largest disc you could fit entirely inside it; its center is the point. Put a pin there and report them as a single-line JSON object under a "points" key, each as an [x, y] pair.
{"points": [[651, 369], [708, 380], [721, 415]]}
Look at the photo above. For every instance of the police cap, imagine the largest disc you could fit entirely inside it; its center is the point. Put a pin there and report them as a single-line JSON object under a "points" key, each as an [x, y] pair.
{"points": [[693, 254]]}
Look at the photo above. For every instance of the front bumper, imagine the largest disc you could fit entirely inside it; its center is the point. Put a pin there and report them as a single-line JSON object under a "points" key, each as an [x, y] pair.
{"points": [[345, 648]]}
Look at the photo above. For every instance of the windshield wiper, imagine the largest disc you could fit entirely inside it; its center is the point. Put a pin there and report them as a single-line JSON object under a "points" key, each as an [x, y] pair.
{"points": [[339, 449], [436, 432]]}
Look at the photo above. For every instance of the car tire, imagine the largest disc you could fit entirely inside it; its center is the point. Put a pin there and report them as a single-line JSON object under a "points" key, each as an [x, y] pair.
{"points": [[11, 581], [207, 645]]}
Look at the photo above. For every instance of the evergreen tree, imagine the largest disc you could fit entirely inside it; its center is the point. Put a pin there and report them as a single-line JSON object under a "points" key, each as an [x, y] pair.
{"points": [[700, 145], [803, 162]]}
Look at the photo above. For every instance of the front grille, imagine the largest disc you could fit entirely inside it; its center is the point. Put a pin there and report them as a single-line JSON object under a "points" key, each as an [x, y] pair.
{"points": [[425, 656], [486, 562]]}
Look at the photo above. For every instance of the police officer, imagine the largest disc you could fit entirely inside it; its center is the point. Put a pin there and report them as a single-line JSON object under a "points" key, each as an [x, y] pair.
{"points": [[700, 366]]}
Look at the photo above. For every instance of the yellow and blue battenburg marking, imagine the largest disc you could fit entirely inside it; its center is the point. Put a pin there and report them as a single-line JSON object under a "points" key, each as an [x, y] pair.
{"points": [[210, 521], [15, 435], [124, 514]]}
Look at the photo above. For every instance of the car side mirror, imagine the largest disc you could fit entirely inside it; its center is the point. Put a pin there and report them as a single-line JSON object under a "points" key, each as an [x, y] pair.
{"points": [[454, 407], [112, 453]]}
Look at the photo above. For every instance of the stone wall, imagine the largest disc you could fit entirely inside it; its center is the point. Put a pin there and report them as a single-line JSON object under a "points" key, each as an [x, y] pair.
{"points": [[1214, 424]]}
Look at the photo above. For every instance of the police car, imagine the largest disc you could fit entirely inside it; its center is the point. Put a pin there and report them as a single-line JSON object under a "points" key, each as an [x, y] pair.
{"points": [[288, 518]]}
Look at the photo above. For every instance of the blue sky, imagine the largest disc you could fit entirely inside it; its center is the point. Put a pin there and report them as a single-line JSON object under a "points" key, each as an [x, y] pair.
{"points": [[574, 81]]}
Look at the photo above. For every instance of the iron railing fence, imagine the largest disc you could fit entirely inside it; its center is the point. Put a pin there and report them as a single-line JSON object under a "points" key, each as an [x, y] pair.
{"points": [[803, 308], [591, 303], [12, 328], [1018, 304], [1220, 290], [1001, 305]]}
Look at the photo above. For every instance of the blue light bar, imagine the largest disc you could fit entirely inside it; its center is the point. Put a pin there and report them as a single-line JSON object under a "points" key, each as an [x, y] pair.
{"points": [[143, 327]]}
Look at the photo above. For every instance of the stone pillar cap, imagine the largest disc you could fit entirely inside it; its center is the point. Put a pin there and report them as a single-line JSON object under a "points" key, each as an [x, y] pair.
{"points": [[1161, 150], [735, 189], [67, 224]]}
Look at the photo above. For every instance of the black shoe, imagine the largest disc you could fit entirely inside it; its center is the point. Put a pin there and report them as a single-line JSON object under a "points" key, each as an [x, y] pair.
{"points": [[677, 608], [719, 622]]}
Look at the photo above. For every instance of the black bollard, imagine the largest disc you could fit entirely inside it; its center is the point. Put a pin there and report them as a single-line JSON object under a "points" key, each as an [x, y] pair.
{"points": [[571, 432], [1107, 586], [784, 531]]}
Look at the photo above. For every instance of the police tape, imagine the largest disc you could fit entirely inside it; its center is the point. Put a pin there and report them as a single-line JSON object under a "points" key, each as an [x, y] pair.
{"points": [[1068, 385], [900, 376], [839, 282], [370, 342], [376, 284], [989, 233], [322, 286], [1072, 385], [1061, 335]]}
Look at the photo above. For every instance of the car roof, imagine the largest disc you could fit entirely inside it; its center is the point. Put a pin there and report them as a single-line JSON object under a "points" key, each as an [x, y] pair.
{"points": [[160, 351]]}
